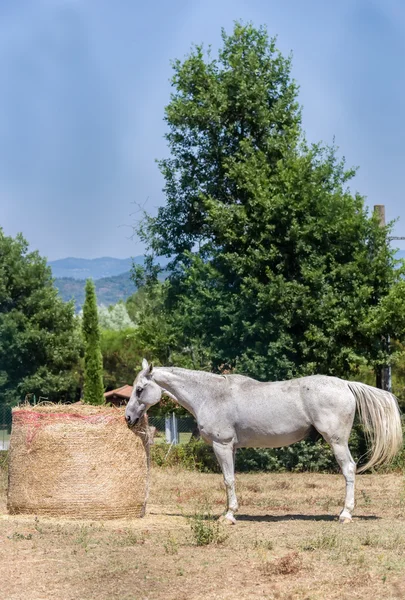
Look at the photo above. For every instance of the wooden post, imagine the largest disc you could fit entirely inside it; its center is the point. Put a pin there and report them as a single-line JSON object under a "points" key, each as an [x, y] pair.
{"points": [[383, 373], [379, 210]]}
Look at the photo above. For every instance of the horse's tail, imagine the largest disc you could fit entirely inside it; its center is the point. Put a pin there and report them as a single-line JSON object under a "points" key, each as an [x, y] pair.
{"points": [[381, 418]]}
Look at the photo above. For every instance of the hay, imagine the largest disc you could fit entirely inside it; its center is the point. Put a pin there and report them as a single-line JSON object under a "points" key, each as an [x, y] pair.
{"points": [[77, 461]]}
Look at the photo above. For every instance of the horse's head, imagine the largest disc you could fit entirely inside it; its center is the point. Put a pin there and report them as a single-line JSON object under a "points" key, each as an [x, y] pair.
{"points": [[145, 393]]}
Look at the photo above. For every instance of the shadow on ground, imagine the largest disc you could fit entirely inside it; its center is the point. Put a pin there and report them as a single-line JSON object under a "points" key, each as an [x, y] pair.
{"points": [[300, 517], [279, 518]]}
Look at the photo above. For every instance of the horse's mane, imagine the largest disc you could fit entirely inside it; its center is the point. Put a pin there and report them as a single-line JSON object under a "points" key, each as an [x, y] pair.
{"points": [[206, 374], [180, 370]]}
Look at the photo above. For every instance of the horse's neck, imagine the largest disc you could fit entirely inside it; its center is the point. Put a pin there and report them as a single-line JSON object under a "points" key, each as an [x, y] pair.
{"points": [[188, 387]]}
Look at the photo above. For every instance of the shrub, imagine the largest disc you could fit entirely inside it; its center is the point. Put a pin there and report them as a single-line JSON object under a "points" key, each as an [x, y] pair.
{"points": [[206, 529], [196, 456], [303, 456]]}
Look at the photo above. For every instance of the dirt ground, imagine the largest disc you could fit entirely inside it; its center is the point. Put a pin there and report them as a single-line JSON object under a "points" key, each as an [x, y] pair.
{"points": [[287, 544]]}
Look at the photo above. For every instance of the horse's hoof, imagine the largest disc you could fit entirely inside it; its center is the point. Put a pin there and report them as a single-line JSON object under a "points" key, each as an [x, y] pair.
{"points": [[228, 519], [345, 517]]}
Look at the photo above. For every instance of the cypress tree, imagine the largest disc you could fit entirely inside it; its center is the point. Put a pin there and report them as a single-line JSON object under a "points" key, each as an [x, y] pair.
{"points": [[93, 361]]}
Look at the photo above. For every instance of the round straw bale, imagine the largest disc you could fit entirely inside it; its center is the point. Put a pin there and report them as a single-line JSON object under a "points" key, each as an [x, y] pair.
{"points": [[77, 461]]}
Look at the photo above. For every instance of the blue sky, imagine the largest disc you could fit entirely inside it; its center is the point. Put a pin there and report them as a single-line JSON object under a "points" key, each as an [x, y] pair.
{"points": [[84, 84]]}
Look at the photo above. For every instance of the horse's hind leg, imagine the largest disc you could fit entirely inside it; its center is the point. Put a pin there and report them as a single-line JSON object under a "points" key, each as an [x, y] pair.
{"points": [[333, 414], [226, 458], [348, 466]]}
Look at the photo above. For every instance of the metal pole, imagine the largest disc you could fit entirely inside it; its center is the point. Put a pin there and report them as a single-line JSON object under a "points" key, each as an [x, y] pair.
{"points": [[168, 429], [383, 375], [175, 430]]}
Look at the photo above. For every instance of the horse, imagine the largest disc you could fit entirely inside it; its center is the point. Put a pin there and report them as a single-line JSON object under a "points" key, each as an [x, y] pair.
{"points": [[234, 411]]}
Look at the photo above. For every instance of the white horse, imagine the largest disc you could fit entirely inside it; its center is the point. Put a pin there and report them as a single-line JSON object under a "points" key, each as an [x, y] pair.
{"points": [[233, 411]]}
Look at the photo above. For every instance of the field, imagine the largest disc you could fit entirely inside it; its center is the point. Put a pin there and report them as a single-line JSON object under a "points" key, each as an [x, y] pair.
{"points": [[286, 545]]}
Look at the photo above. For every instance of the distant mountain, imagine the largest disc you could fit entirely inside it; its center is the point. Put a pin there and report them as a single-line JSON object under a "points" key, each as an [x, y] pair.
{"points": [[96, 268], [109, 290], [111, 277]]}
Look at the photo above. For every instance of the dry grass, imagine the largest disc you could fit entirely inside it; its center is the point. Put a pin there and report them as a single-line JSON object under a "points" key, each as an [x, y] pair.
{"points": [[287, 544], [89, 480]]}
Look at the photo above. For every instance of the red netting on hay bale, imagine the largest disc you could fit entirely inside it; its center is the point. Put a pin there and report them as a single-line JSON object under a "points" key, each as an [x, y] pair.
{"points": [[77, 461]]}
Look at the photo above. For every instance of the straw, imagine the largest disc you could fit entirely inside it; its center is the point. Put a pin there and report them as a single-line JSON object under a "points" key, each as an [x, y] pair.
{"points": [[77, 461]]}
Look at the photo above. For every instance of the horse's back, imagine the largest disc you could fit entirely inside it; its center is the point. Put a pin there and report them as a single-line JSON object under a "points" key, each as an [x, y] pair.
{"points": [[267, 414]]}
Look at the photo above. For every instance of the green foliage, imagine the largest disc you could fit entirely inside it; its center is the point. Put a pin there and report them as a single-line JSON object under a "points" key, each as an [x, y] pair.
{"points": [[150, 337], [157, 329], [93, 362], [206, 529], [147, 336], [398, 375], [367, 375], [195, 456], [146, 308], [115, 317], [276, 269], [122, 353], [40, 342], [301, 457]]}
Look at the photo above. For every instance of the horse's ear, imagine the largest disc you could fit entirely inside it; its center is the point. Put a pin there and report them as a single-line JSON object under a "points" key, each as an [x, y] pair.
{"points": [[145, 364], [150, 369]]}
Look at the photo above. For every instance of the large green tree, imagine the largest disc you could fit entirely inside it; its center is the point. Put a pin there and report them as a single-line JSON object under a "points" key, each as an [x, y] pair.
{"points": [[93, 392], [40, 340], [276, 268]]}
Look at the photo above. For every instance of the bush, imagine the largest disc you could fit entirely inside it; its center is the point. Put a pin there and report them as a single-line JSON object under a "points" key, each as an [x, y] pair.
{"points": [[303, 456], [196, 456], [206, 529]]}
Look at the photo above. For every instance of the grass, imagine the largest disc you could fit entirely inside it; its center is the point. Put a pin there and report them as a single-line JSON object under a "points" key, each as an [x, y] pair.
{"points": [[287, 544]]}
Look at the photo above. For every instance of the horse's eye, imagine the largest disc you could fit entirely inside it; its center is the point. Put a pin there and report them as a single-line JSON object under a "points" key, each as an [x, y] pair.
{"points": [[138, 391]]}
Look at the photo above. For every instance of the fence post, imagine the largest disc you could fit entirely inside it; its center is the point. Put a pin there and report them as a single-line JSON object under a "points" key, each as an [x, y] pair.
{"points": [[171, 429], [168, 429], [175, 429]]}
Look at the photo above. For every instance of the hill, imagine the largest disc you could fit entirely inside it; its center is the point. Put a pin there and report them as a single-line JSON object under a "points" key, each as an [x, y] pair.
{"points": [[95, 268], [111, 277], [109, 290]]}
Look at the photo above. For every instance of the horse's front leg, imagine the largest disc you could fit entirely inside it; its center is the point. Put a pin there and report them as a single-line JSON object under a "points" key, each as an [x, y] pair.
{"points": [[226, 457]]}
